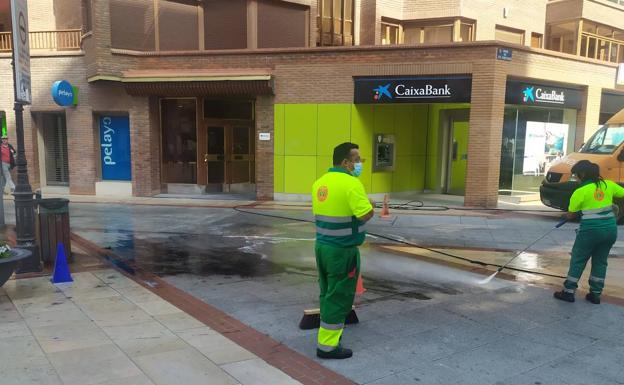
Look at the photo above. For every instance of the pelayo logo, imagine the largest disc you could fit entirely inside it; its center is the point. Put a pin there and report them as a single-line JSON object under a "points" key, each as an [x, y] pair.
{"points": [[64, 94]]}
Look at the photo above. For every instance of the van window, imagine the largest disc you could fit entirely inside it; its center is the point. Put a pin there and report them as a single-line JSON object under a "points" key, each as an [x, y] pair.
{"points": [[604, 141]]}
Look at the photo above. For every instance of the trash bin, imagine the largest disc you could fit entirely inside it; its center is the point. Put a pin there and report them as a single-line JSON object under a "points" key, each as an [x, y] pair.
{"points": [[53, 228]]}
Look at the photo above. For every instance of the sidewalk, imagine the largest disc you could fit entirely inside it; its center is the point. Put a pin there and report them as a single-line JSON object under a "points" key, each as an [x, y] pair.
{"points": [[105, 329]]}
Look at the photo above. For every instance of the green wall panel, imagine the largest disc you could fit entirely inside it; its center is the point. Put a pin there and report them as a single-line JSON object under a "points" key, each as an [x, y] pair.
{"points": [[381, 182], [279, 130], [300, 121], [299, 174], [366, 176], [404, 129], [420, 129], [362, 124], [403, 173], [334, 127], [384, 119], [278, 174], [323, 163], [418, 173]]}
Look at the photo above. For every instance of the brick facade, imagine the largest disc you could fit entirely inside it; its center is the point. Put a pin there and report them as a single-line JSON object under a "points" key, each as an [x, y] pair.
{"points": [[300, 75]]}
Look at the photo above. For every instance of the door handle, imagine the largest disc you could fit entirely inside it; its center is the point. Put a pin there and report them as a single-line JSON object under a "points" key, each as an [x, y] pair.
{"points": [[454, 150], [205, 158]]}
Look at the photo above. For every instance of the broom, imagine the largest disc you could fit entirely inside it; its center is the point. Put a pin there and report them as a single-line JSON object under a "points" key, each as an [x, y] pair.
{"points": [[312, 317]]}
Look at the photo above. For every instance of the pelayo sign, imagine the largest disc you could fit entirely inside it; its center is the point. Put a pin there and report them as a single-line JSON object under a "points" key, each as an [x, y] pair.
{"points": [[542, 95], [372, 90], [64, 94], [115, 148]]}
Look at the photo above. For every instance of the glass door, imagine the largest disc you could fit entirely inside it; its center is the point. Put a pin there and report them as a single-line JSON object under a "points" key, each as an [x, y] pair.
{"points": [[230, 158]]}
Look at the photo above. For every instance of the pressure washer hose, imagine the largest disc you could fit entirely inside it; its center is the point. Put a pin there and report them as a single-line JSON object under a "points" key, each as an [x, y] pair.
{"points": [[246, 209]]}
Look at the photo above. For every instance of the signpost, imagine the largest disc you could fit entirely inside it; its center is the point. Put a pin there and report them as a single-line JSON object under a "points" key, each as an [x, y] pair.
{"points": [[24, 205]]}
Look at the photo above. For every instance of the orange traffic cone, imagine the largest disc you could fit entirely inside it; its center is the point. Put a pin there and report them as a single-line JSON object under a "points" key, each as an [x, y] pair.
{"points": [[359, 288], [385, 211]]}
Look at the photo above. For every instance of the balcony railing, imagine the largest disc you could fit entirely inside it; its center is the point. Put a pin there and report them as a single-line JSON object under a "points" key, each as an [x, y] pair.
{"points": [[601, 48], [64, 40]]}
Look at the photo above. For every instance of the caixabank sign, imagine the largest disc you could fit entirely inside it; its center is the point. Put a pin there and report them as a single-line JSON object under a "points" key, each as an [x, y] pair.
{"points": [[373, 90], [534, 94]]}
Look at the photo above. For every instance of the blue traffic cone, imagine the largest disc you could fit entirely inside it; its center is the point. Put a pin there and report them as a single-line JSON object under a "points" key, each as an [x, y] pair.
{"points": [[61, 269]]}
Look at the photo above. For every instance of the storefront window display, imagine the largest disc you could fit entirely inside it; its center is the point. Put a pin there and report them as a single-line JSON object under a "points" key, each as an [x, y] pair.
{"points": [[533, 139]]}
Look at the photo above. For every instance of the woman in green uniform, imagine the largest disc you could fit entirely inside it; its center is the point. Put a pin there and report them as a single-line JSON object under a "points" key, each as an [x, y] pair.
{"points": [[593, 201]]}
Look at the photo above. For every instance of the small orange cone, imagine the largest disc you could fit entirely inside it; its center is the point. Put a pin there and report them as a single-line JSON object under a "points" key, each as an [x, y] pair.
{"points": [[385, 211], [359, 288]]}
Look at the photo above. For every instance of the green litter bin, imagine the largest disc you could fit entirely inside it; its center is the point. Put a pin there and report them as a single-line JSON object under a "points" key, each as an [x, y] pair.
{"points": [[53, 228]]}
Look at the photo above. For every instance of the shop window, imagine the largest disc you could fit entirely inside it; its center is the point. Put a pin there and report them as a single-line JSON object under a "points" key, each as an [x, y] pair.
{"points": [[179, 140], [335, 22], [54, 133], [536, 40], [389, 34], [225, 24], [132, 24], [178, 25], [282, 25], [509, 35], [533, 139]]}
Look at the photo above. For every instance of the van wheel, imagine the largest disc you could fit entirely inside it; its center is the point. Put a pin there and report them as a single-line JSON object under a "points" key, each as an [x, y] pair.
{"points": [[618, 210]]}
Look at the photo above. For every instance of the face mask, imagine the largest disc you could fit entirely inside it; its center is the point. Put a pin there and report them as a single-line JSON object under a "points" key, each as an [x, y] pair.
{"points": [[357, 169]]}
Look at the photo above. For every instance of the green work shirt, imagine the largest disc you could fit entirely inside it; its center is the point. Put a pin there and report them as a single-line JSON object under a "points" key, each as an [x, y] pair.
{"points": [[594, 201], [338, 199]]}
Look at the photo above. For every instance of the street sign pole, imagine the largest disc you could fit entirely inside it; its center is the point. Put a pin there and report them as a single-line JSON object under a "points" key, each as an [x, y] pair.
{"points": [[24, 204]]}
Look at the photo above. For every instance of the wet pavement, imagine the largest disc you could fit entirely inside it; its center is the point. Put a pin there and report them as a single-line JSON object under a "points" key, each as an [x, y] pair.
{"points": [[421, 323]]}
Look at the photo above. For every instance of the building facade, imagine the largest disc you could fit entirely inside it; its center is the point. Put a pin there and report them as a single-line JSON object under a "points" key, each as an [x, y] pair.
{"points": [[249, 97]]}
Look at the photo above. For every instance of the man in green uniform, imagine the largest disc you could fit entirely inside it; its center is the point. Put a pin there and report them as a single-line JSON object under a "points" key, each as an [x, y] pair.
{"points": [[593, 200], [341, 208]]}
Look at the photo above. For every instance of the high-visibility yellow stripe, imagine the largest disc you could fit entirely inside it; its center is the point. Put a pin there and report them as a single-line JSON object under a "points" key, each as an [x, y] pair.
{"points": [[328, 340]]}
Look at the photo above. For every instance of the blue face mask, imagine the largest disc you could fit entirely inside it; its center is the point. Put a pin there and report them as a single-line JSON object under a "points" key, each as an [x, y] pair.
{"points": [[357, 169]]}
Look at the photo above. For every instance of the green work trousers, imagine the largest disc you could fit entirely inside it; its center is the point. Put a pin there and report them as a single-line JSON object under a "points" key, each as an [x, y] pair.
{"points": [[338, 271], [594, 244]]}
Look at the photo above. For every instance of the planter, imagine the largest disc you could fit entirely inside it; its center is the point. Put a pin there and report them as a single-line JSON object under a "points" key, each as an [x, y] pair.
{"points": [[8, 265]]}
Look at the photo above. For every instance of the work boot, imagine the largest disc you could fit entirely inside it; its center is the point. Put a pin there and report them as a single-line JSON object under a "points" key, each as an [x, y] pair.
{"points": [[339, 353], [564, 296], [593, 298]]}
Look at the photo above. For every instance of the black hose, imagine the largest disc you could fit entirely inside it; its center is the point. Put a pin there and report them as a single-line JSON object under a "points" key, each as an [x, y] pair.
{"points": [[408, 243]]}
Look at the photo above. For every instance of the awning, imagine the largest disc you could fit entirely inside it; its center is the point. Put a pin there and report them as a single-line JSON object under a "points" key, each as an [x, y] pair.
{"points": [[178, 83]]}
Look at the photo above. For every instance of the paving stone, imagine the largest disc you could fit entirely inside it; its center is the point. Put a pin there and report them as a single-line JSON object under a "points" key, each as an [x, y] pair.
{"points": [[258, 372]]}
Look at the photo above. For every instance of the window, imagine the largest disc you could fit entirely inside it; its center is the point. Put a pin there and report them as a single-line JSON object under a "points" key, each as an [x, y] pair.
{"points": [[282, 24], [437, 31], [179, 140], [335, 22], [536, 40], [389, 34], [466, 31], [509, 35], [86, 16], [602, 42], [225, 24], [178, 25], [132, 24]]}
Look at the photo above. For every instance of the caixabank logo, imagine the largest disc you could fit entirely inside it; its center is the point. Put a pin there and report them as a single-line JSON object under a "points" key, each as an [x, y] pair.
{"points": [[542, 95], [412, 89], [381, 92]]}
